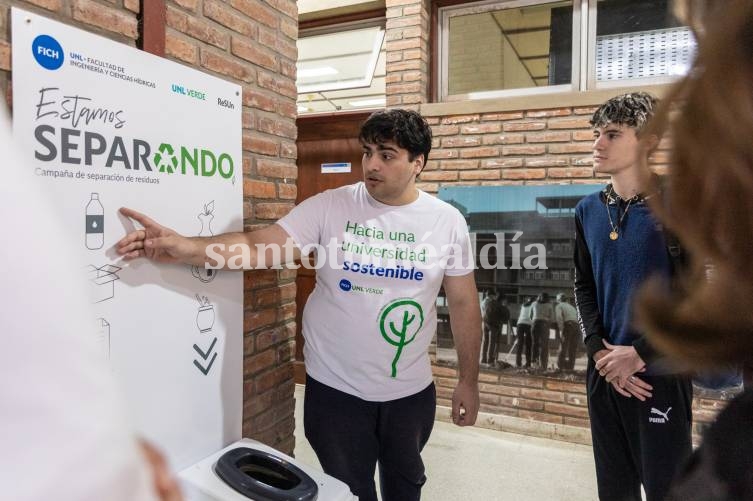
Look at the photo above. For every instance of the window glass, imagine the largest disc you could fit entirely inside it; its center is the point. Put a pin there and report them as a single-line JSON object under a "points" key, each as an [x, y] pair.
{"points": [[341, 70], [640, 39], [495, 48]]}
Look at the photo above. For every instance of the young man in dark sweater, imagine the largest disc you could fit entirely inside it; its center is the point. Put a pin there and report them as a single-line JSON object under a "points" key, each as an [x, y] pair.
{"points": [[640, 415]]}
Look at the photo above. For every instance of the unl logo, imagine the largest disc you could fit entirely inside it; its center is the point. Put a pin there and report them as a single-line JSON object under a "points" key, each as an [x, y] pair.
{"points": [[660, 420]]}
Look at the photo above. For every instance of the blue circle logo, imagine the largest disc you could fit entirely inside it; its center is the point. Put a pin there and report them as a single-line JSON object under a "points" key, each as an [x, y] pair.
{"points": [[345, 285], [48, 52]]}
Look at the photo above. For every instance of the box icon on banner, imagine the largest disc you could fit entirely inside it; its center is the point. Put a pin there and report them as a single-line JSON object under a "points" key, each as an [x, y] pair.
{"points": [[102, 280]]}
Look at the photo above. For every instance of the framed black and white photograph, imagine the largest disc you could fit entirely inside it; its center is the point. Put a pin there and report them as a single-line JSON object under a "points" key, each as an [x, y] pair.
{"points": [[523, 239]]}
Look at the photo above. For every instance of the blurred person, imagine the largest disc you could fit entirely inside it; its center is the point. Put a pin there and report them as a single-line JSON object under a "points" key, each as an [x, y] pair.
{"points": [[63, 429], [504, 325], [492, 323], [523, 328], [707, 320], [640, 413], [542, 315], [567, 323]]}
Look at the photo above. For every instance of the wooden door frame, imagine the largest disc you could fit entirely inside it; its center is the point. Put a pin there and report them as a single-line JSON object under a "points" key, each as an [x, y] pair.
{"points": [[329, 125]]}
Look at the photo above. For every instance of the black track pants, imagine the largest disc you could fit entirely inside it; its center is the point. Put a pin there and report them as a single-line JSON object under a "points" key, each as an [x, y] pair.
{"points": [[638, 442]]}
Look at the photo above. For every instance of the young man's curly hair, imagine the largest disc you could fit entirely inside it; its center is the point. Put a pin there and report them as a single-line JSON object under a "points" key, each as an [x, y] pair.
{"points": [[634, 109]]}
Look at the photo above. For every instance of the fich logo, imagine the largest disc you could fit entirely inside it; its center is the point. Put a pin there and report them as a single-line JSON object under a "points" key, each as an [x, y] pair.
{"points": [[47, 52]]}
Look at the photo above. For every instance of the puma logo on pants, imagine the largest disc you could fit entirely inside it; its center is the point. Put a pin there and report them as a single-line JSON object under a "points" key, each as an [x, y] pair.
{"points": [[660, 420]]}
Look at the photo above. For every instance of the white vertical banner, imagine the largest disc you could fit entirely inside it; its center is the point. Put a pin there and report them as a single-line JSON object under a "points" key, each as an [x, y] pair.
{"points": [[102, 126]]}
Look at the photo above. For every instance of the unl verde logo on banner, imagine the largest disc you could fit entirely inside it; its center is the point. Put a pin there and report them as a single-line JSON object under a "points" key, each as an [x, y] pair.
{"points": [[399, 322]]}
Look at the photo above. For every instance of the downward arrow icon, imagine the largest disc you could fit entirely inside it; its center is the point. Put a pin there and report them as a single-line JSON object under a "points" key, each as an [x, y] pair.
{"points": [[208, 352], [205, 355]]}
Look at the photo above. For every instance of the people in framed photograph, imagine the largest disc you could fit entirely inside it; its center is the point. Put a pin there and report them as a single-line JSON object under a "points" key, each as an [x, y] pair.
{"points": [[523, 328], [491, 312], [542, 314], [567, 324]]}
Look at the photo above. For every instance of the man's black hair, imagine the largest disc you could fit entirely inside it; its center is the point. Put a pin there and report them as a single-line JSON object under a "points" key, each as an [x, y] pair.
{"points": [[633, 110], [406, 128]]}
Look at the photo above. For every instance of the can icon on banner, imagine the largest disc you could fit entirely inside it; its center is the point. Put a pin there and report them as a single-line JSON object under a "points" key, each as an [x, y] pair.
{"points": [[95, 223]]}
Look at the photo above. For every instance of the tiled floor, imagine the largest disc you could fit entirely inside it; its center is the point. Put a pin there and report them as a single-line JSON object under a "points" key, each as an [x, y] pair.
{"points": [[474, 464]]}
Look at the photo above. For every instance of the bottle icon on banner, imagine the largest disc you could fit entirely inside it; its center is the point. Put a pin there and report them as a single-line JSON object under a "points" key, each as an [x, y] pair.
{"points": [[95, 223]]}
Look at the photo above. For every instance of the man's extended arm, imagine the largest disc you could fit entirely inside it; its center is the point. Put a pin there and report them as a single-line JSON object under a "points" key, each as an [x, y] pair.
{"points": [[228, 250], [465, 321]]}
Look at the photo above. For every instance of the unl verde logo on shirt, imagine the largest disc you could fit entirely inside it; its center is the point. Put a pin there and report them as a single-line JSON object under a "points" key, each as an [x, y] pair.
{"points": [[399, 322]]}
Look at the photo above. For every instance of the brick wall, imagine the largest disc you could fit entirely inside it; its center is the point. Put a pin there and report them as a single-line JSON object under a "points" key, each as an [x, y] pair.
{"points": [[510, 148], [252, 43], [515, 147], [407, 52]]}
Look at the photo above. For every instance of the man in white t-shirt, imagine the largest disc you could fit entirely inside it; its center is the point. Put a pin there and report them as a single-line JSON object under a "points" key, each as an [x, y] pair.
{"points": [[385, 249]]}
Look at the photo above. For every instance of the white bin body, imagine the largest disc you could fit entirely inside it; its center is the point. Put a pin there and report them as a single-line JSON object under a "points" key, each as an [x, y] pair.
{"points": [[200, 483]]}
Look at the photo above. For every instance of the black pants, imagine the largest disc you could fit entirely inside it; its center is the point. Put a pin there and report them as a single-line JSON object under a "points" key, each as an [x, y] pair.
{"points": [[350, 436], [489, 351], [570, 340], [524, 340], [638, 442], [541, 342]]}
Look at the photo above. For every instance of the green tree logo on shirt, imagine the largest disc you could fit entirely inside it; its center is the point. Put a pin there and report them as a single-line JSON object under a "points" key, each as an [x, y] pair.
{"points": [[399, 322]]}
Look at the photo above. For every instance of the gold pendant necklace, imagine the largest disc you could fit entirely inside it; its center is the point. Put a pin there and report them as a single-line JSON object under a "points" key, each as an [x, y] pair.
{"points": [[614, 234]]}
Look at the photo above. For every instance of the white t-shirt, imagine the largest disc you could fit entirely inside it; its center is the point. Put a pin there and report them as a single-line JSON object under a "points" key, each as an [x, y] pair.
{"points": [[372, 315], [64, 434], [524, 318]]}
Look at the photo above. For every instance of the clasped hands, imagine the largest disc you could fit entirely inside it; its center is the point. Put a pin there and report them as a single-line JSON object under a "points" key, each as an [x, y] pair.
{"points": [[619, 366]]}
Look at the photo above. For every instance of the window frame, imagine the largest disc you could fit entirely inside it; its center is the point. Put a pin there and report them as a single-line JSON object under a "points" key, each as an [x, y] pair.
{"points": [[591, 82], [583, 47], [369, 19], [447, 12], [371, 66]]}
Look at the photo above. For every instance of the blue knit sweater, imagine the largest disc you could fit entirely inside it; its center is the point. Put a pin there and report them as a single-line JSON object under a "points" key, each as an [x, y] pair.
{"points": [[608, 272]]}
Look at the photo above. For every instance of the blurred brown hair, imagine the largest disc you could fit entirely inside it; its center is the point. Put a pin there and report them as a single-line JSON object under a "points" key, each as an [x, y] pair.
{"points": [[709, 202]]}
